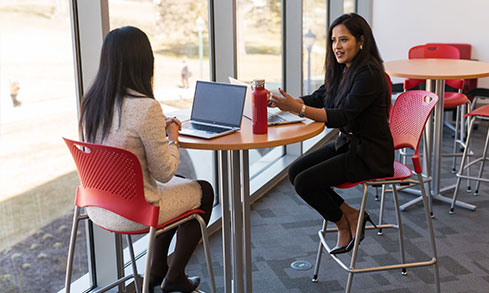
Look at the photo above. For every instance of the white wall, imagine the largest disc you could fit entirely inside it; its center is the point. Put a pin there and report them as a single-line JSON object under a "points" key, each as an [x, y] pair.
{"points": [[401, 24]]}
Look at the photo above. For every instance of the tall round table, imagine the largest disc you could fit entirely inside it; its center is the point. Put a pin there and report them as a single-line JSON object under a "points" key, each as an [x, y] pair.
{"points": [[436, 71], [235, 189]]}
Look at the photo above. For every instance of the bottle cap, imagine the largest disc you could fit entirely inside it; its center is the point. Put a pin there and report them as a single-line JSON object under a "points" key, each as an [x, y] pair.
{"points": [[258, 82]]}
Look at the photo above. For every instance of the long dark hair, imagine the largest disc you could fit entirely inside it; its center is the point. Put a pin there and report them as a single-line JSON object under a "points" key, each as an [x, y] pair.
{"points": [[126, 62], [337, 85]]}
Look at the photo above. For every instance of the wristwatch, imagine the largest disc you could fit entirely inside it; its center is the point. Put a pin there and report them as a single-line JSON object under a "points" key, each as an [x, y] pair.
{"points": [[302, 113], [174, 142]]}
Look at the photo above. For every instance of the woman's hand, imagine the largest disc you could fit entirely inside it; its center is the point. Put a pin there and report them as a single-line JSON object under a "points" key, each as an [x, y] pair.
{"points": [[173, 125], [285, 102], [269, 100], [174, 120]]}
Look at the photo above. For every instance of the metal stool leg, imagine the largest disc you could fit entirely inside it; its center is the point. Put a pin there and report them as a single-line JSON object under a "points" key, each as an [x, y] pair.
{"points": [[432, 234], [205, 240], [427, 159], [149, 256], [399, 224], [458, 127], [381, 211], [137, 281], [462, 138], [462, 165], [484, 154], [71, 249], [357, 237], [320, 252]]}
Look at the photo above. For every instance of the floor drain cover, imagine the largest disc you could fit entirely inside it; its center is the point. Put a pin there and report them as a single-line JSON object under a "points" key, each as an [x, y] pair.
{"points": [[301, 265]]}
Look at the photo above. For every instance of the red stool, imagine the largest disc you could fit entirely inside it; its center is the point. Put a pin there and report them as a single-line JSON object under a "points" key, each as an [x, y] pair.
{"points": [[408, 118], [479, 113], [111, 178]]}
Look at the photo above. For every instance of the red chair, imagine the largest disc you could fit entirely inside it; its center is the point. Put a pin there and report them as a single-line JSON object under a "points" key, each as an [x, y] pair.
{"points": [[451, 99], [408, 118], [111, 178]]}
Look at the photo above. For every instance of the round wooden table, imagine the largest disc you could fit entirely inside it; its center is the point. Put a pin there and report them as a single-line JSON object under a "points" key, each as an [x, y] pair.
{"points": [[436, 71], [235, 192]]}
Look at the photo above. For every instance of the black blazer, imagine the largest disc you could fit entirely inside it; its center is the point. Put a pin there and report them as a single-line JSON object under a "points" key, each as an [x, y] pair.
{"points": [[363, 118]]}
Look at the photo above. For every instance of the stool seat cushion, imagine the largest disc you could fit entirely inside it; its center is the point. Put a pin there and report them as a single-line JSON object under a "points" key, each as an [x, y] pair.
{"points": [[481, 111], [178, 196], [401, 172], [454, 100]]}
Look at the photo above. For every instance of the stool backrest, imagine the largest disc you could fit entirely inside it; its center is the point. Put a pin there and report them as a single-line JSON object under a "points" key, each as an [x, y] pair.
{"points": [[111, 178], [408, 117], [434, 51]]}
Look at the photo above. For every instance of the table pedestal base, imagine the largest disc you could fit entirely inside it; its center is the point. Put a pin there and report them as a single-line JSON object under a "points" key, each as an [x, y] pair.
{"points": [[436, 197], [235, 208]]}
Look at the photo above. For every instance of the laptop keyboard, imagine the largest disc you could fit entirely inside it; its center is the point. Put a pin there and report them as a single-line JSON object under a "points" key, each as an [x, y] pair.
{"points": [[274, 118], [207, 128]]}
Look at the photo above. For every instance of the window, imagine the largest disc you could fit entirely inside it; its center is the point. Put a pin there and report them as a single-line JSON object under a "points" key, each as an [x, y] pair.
{"points": [[259, 45], [314, 29], [314, 33], [37, 174], [259, 41], [349, 6]]}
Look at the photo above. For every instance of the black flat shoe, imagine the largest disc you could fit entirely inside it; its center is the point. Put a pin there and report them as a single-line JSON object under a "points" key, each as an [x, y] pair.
{"points": [[187, 286], [154, 281]]}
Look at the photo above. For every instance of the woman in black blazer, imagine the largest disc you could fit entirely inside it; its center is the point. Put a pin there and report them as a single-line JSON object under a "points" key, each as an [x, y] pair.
{"points": [[356, 100]]}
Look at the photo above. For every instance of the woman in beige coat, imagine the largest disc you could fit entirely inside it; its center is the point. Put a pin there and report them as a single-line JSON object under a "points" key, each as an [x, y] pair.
{"points": [[120, 110]]}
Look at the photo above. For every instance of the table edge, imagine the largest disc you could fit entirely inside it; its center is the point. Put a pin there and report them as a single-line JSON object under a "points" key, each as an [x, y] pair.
{"points": [[253, 145]]}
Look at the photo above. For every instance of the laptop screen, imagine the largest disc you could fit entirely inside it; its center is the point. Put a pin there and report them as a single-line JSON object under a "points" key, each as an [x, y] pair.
{"points": [[218, 103]]}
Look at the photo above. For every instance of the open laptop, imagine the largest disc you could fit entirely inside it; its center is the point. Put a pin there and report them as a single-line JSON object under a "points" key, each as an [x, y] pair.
{"points": [[217, 110], [275, 115]]}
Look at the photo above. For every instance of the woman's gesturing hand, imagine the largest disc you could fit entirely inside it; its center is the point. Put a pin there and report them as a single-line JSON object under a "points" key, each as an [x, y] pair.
{"points": [[284, 101]]}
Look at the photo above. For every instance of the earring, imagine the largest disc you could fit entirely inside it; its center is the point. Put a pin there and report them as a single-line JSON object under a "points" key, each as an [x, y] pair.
{"points": [[361, 47]]}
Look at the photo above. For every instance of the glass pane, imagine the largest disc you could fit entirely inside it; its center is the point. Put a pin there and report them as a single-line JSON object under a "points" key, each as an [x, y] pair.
{"points": [[259, 41], [259, 55], [314, 29], [314, 39], [261, 159], [37, 174], [178, 31], [349, 6]]}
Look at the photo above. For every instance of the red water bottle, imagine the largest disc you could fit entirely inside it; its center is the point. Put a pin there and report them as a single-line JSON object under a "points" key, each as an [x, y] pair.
{"points": [[259, 102]]}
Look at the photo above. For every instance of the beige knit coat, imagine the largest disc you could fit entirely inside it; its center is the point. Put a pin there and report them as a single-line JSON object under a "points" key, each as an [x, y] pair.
{"points": [[142, 130]]}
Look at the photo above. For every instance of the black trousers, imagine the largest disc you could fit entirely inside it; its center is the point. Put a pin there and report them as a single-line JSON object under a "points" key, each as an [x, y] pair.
{"points": [[314, 175], [188, 237]]}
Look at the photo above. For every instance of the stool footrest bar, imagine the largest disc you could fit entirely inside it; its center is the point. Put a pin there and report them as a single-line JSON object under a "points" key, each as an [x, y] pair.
{"points": [[373, 269], [369, 227]]}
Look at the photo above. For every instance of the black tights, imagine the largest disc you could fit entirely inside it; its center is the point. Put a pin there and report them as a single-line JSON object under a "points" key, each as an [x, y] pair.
{"points": [[188, 237], [313, 176]]}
